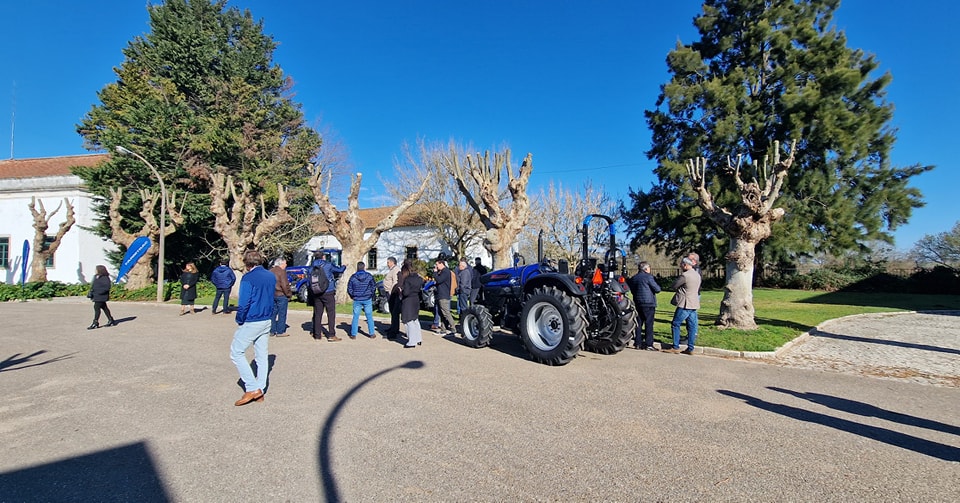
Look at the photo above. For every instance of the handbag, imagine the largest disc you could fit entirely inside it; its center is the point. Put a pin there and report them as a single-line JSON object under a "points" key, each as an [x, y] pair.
{"points": [[678, 298]]}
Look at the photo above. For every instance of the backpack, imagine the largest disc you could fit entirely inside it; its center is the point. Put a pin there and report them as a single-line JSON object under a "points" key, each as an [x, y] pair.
{"points": [[318, 281], [453, 283]]}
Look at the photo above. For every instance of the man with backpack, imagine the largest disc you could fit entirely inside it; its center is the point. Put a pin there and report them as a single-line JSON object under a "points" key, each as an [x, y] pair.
{"points": [[360, 288], [323, 288]]}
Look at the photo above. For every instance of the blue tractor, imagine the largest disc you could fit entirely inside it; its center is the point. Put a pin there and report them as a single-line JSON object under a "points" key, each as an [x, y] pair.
{"points": [[556, 313], [299, 275]]}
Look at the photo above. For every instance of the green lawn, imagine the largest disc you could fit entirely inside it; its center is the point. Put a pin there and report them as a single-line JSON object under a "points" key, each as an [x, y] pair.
{"points": [[784, 314], [781, 314]]}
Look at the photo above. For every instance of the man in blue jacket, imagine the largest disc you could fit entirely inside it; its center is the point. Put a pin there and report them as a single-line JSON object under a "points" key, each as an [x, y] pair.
{"points": [[644, 288], [254, 317], [360, 288], [223, 279], [326, 302]]}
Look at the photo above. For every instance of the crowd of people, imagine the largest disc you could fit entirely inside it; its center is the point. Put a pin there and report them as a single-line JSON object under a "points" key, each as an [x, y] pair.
{"points": [[264, 296]]}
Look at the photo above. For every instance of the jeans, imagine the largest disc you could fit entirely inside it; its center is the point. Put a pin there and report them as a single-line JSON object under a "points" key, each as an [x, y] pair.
{"points": [[255, 333], [463, 301], [221, 292], [690, 316], [367, 307], [279, 320]]}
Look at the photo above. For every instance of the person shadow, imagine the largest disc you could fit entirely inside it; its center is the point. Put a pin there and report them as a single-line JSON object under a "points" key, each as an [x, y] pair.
{"points": [[271, 361]]}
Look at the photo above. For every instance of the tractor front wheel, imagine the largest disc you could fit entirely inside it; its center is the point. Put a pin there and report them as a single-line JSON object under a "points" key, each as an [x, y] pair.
{"points": [[476, 325], [552, 326]]}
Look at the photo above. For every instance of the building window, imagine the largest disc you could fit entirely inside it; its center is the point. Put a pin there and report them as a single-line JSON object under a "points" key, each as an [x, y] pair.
{"points": [[372, 259], [411, 253], [47, 241], [4, 253]]}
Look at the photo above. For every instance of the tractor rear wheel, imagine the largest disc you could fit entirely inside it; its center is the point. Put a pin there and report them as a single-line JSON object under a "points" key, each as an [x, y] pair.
{"points": [[622, 332], [476, 325], [552, 326]]}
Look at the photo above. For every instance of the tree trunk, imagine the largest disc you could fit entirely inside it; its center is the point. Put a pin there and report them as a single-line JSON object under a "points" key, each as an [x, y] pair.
{"points": [[141, 275], [736, 308]]}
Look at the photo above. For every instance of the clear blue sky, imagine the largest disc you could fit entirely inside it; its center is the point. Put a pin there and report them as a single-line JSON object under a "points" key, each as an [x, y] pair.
{"points": [[567, 81]]}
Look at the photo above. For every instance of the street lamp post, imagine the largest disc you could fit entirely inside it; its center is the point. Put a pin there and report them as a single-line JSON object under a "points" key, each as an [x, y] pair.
{"points": [[163, 215]]}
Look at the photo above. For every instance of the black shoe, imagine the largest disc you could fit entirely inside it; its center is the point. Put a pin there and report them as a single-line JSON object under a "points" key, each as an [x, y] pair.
{"points": [[94, 325], [687, 351], [650, 348], [112, 323], [411, 347]]}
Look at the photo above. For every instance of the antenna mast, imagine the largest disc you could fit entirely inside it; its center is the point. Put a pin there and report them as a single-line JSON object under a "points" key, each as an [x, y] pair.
{"points": [[13, 115]]}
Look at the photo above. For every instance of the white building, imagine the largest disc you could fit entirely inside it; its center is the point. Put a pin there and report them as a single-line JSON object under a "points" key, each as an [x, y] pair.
{"points": [[49, 180], [409, 238]]}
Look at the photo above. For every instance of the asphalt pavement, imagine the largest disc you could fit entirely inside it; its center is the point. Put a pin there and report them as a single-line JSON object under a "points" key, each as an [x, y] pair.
{"points": [[143, 411]]}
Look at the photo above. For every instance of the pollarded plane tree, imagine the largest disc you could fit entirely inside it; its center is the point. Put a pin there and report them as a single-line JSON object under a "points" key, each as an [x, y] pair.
{"points": [[502, 220], [746, 224], [244, 223], [42, 250], [141, 275], [348, 226]]}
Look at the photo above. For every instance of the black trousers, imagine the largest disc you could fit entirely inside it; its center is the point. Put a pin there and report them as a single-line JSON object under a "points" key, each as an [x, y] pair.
{"points": [[326, 302], [644, 334], [101, 306], [394, 302]]}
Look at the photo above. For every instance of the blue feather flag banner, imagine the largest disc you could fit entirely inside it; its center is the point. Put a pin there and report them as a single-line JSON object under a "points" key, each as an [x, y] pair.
{"points": [[23, 262], [134, 252]]}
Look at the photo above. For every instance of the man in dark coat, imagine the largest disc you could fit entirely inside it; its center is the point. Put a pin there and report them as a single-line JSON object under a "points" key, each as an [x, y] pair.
{"points": [[223, 279], [327, 301], [644, 288], [444, 281]]}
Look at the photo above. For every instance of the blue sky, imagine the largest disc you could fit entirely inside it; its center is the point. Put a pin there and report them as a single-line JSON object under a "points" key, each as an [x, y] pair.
{"points": [[568, 81]]}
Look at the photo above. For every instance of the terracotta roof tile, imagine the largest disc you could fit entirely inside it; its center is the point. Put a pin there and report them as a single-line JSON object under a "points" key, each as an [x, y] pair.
{"points": [[371, 216], [47, 166]]}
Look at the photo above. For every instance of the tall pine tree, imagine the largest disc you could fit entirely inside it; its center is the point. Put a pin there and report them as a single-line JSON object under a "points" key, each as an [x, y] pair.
{"points": [[763, 71], [199, 94]]}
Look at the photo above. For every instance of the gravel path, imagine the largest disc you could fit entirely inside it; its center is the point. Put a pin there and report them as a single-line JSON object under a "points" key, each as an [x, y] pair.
{"points": [[915, 347]]}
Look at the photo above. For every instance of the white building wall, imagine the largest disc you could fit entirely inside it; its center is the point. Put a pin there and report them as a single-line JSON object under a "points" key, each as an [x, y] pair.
{"points": [[80, 251], [394, 243]]}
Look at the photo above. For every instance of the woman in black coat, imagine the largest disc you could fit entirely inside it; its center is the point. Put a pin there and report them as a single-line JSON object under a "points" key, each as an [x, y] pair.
{"points": [[100, 294], [188, 292], [410, 284]]}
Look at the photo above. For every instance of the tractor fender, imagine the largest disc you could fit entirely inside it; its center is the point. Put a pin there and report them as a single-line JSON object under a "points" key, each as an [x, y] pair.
{"points": [[564, 282]]}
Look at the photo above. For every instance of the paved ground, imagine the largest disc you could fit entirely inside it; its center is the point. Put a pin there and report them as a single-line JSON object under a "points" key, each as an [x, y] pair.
{"points": [[915, 347], [144, 412]]}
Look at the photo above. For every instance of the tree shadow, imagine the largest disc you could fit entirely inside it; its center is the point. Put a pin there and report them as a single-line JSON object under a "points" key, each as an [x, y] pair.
{"points": [[885, 342], [122, 474], [894, 438], [13, 361], [867, 410], [933, 304], [327, 477]]}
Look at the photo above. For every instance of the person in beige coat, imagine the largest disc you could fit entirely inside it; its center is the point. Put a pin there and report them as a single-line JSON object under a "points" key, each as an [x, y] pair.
{"points": [[687, 300]]}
